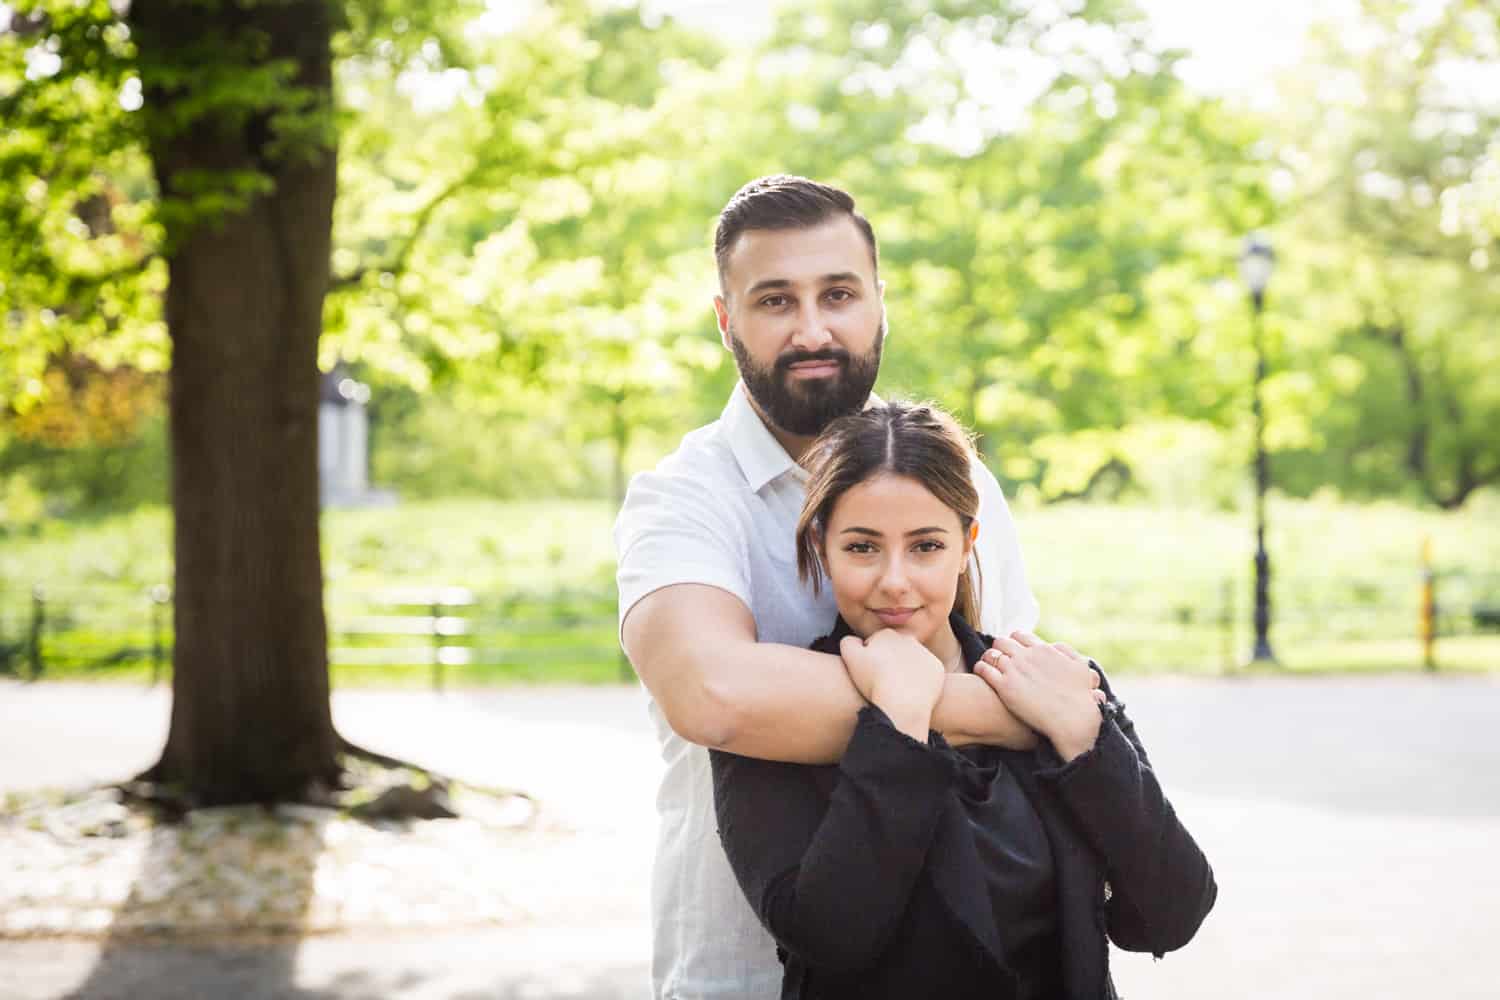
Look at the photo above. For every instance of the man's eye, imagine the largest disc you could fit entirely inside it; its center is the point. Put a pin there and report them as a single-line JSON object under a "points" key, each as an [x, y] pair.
{"points": [[774, 301], [840, 295]]}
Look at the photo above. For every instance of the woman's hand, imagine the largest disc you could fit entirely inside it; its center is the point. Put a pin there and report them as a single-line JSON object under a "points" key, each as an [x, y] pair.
{"points": [[897, 673], [1048, 686]]}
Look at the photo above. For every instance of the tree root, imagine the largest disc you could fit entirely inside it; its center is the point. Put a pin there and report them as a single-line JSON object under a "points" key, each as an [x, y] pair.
{"points": [[168, 801], [368, 798], [445, 781]]}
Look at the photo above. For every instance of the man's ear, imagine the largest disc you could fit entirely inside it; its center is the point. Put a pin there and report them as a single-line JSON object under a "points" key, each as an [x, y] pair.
{"points": [[721, 311]]}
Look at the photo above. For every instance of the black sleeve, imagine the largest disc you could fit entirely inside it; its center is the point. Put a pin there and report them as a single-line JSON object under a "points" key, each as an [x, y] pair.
{"points": [[830, 875], [1162, 885]]}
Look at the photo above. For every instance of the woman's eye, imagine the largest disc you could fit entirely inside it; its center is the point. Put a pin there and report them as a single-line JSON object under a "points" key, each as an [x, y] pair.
{"points": [[928, 546], [859, 548]]}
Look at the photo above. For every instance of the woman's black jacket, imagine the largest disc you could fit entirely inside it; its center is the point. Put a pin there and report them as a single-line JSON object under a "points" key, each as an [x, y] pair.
{"points": [[866, 872]]}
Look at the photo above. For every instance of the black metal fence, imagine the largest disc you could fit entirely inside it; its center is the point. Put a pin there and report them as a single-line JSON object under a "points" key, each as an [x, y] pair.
{"points": [[1333, 622], [65, 628], [58, 627]]}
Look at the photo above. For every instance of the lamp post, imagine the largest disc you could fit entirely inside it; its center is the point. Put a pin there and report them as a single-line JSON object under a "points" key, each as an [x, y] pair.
{"points": [[1257, 260]]}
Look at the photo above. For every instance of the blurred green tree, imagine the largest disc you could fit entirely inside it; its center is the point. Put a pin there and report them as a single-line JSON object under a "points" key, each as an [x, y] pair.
{"points": [[548, 282], [1055, 208], [1392, 166], [177, 169]]}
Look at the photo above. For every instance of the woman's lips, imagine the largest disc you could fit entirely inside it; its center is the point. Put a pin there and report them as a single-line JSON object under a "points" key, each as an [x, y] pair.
{"points": [[892, 617]]}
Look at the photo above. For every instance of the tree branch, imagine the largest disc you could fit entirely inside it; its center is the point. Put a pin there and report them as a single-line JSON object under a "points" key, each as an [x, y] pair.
{"points": [[419, 225]]}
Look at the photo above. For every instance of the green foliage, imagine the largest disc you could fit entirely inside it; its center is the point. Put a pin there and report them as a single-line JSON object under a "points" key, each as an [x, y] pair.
{"points": [[1393, 173], [76, 235], [458, 443], [86, 93], [522, 229], [84, 478], [1013, 263], [94, 440]]}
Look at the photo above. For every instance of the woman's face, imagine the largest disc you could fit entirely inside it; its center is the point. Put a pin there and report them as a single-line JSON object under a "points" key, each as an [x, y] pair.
{"points": [[893, 552]]}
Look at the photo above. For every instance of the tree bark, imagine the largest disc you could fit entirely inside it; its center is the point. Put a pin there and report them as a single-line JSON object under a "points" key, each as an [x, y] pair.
{"points": [[250, 712], [1416, 443], [1418, 452]]}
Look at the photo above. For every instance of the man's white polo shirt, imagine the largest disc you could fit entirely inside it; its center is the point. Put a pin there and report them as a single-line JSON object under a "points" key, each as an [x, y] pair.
{"points": [[722, 510]]}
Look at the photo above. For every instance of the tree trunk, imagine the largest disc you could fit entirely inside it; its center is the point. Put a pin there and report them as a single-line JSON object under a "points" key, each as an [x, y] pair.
{"points": [[1416, 442], [250, 713], [620, 437], [1418, 453], [976, 385]]}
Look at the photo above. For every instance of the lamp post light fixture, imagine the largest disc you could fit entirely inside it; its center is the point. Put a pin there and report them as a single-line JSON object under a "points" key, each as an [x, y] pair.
{"points": [[1257, 260]]}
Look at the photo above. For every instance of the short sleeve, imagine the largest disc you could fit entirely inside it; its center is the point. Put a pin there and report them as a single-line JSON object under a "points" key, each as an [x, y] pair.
{"points": [[1007, 603], [675, 529]]}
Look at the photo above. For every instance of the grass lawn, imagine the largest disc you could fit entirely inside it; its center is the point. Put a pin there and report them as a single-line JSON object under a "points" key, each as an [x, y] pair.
{"points": [[1150, 588], [1139, 588]]}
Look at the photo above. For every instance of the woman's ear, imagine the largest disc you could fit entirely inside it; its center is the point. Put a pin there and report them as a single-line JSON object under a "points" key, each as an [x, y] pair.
{"points": [[970, 538]]}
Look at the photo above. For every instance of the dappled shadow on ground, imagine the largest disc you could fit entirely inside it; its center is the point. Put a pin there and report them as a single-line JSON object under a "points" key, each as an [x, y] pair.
{"points": [[310, 904], [176, 972], [127, 970], [266, 972], [169, 888], [496, 964]]}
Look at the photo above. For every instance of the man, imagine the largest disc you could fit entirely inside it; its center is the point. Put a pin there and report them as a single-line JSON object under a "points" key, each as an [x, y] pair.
{"points": [[712, 614]]}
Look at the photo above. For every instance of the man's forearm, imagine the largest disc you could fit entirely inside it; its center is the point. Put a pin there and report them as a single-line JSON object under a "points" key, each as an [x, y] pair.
{"points": [[798, 706], [767, 700], [970, 712], [781, 703]]}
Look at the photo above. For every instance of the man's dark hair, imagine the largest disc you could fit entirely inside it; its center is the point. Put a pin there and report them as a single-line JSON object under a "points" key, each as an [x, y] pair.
{"points": [[783, 201]]}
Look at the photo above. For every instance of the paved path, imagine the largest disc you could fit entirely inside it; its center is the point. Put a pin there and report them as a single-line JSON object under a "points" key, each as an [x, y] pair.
{"points": [[1352, 825]]}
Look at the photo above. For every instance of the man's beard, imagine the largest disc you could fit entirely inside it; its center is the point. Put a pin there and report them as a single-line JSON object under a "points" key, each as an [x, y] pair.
{"points": [[806, 408]]}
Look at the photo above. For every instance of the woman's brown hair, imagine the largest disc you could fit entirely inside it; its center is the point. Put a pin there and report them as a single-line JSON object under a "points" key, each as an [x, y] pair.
{"points": [[914, 440]]}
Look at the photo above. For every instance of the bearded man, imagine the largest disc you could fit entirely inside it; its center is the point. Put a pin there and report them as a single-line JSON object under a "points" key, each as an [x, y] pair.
{"points": [[712, 613]]}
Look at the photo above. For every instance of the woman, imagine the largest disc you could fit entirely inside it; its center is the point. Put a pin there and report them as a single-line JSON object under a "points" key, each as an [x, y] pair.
{"points": [[912, 869]]}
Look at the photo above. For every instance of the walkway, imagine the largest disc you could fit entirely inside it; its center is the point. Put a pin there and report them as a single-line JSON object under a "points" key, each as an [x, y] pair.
{"points": [[1352, 825]]}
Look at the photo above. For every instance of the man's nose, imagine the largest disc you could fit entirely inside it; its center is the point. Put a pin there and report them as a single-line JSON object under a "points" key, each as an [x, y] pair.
{"points": [[812, 332]]}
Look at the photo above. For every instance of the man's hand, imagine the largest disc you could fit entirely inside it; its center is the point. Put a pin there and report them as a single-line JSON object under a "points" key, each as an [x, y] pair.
{"points": [[897, 673], [1050, 687]]}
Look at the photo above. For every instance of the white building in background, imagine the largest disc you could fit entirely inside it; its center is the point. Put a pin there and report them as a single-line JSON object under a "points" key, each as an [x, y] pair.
{"points": [[343, 443]]}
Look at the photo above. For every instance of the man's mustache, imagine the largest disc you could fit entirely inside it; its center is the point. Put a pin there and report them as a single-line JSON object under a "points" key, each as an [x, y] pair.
{"points": [[785, 362]]}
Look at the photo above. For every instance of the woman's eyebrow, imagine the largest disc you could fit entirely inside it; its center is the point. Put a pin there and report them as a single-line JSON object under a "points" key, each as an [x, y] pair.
{"points": [[933, 530]]}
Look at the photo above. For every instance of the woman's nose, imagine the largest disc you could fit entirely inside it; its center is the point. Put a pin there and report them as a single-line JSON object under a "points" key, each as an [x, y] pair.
{"points": [[893, 581]]}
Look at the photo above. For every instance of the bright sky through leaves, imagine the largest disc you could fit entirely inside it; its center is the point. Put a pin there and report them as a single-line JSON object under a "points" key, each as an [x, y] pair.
{"points": [[1234, 49]]}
